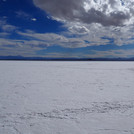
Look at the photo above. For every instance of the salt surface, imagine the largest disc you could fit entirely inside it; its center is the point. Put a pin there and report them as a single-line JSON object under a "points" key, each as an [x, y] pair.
{"points": [[39, 97]]}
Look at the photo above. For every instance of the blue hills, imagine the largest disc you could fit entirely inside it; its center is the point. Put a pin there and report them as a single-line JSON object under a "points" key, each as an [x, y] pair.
{"points": [[64, 59]]}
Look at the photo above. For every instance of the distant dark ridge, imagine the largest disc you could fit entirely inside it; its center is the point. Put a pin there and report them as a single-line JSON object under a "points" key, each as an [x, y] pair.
{"points": [[63, 59]]}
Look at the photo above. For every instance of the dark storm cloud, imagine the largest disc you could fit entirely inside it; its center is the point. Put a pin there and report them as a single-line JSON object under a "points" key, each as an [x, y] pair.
{"points": [[106, 13]]}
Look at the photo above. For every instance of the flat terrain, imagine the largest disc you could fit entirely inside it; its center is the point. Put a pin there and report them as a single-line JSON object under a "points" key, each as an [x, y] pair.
{"points": [[40, 97]]}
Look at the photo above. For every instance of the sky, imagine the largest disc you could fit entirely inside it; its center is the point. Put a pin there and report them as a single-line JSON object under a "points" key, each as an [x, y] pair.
{"points": [[67, 28]]}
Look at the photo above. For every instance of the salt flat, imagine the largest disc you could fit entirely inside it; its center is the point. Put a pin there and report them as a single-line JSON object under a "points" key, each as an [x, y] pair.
{"points": [[43, 97]]}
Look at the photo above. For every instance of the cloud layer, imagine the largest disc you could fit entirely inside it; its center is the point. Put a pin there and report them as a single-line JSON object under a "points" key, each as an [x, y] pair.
{"points": [[88, 23], [94, 20], [106, 13]]}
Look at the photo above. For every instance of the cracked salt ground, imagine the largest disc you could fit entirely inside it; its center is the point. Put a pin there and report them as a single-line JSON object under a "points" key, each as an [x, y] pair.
{"points": [[66, 97], [70, 114], [103, 107]]}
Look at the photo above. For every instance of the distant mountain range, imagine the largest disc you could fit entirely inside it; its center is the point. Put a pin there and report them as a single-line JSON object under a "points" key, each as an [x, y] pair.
{"points": [[64, 59]]}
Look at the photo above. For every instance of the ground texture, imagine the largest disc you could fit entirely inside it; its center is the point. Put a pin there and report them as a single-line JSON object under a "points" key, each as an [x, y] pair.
{"points": [[38, 97]]}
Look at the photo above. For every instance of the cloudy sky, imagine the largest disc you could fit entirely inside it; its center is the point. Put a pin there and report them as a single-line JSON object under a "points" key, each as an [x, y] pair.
{"points": [[67, 28]]}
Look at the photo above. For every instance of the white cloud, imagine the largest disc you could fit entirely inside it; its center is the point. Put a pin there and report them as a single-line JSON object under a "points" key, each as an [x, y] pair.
{"points": [[111, 54], [60, 55], [22, 43], [95, 54], [20, 47], [87, 21], [119, 36], [40, 41], [33, 19], [78, 29], [23, 15], [4, 34], [7, 27], [106, 13], [94, 19], [54, 39]]}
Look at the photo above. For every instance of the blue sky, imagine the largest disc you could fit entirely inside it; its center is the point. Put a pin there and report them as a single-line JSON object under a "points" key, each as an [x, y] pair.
{"points": [[67, 29]]}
